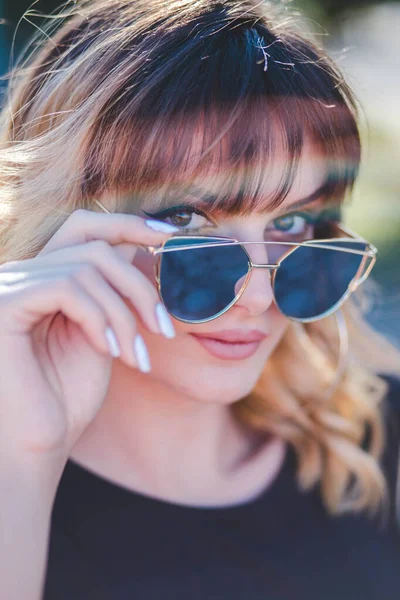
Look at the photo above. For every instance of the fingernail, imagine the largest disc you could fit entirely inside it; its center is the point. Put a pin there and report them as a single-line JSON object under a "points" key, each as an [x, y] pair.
{"points": [[161, 226], [141, 354], [165, 322], [113, 343]]}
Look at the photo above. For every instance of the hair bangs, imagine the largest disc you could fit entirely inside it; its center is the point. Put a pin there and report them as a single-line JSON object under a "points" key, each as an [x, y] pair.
{"points": [[241, 100]]}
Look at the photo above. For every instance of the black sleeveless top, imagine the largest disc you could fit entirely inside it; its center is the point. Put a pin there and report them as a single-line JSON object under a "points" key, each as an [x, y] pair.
{"points": [[109, 543]]}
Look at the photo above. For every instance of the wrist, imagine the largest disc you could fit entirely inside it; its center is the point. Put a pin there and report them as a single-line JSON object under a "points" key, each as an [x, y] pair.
{"points": [[36, 476]]}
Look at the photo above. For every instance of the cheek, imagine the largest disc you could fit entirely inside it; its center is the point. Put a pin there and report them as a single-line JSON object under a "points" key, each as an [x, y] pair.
{"points": [[279, 327]]}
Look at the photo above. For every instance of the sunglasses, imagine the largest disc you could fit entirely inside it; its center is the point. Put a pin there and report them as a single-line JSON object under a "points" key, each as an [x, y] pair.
{"points": [[199, 278]]}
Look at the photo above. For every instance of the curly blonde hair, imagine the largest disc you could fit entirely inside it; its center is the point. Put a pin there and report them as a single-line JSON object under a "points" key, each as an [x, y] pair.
{"points": [[126, 99]]}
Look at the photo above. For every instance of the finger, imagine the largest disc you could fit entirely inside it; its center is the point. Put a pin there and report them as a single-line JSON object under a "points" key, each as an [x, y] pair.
{"points": [[119, 316], [23, 305], [125, 278], [84, 226]]}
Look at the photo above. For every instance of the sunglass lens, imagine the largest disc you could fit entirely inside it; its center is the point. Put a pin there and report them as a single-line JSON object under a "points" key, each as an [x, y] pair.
{"points": [[311, 281], [199, 283]]}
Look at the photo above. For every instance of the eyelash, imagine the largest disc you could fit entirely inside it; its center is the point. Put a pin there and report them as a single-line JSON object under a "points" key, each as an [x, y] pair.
{"points": [[310, 219], [175, 210]]}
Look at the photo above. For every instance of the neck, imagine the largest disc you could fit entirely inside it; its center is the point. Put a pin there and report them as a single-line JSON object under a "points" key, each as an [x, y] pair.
{"points": [[148, 437]]}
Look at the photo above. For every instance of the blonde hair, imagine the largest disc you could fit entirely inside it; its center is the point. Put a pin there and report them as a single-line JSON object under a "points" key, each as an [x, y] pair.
{"points": [[94, 110]]}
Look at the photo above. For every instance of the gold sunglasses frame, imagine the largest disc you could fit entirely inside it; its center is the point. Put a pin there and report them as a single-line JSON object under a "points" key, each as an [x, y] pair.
{"points": [[362, 273]]}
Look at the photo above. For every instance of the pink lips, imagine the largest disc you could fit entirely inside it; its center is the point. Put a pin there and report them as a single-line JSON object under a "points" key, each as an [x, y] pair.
{"points": [[231, 344]]}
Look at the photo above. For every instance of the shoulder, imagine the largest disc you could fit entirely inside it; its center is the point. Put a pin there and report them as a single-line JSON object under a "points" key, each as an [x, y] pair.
{"points": [[391, 409], [393, 393], [391, 457]]}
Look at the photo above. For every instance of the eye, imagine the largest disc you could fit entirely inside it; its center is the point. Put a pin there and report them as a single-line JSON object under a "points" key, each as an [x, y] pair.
{"points": [[185, 217], [295, 224]]}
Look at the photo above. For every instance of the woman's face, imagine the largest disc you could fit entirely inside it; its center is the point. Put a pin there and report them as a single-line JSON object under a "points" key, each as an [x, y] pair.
{"points": [[194, 363]]}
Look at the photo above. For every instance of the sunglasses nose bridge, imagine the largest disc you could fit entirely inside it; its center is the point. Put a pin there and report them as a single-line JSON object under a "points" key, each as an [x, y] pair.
{"points": [[265, 255], [265, 266], [257, 295]]}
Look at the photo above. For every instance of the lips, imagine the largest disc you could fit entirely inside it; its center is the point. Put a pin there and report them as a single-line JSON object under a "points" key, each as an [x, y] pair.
{"points": [[233, 344], [234, 336]]}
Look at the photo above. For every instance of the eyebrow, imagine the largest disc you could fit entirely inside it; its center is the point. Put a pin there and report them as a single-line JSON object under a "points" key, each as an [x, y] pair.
{"points": [[313, 197]]}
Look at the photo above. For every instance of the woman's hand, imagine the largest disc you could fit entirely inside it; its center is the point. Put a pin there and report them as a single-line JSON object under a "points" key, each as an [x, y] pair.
{"points": [[62, 317]]}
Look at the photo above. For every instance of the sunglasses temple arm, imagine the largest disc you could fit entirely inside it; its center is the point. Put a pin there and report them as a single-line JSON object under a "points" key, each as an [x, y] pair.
{"points": [[366, 273], [344, 229], [343, 354], [149, 249]]}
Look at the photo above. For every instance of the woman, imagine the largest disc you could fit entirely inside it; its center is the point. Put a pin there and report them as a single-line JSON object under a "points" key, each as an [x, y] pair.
{"points": [[179, 415]]}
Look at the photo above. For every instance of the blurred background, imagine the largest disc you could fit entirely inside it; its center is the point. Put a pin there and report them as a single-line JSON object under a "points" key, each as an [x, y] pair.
{"points": [[363, 37]]}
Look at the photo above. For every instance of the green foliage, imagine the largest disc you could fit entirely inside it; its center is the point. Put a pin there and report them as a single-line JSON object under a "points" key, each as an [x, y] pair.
{"points": [[330, 11]]}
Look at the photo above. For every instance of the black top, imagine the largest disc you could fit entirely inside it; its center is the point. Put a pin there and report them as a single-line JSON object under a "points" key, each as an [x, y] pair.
{"points": [[109, 543]]}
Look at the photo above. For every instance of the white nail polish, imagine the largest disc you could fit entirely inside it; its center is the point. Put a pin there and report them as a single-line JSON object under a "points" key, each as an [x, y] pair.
{"points": [[141, 354], [160, 226], [164, 321], [113, 343]]}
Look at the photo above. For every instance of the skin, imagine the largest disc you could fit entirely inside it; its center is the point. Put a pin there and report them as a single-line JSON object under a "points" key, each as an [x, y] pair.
{"points": [[170, 433]]}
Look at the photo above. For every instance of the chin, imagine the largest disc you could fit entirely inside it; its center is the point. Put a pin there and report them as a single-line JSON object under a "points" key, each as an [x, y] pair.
{"points": [[215, 386], [218, 394]]}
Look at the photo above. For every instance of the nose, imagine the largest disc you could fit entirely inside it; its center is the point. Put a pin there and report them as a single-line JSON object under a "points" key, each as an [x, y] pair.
{"points": [[257, 296]]}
